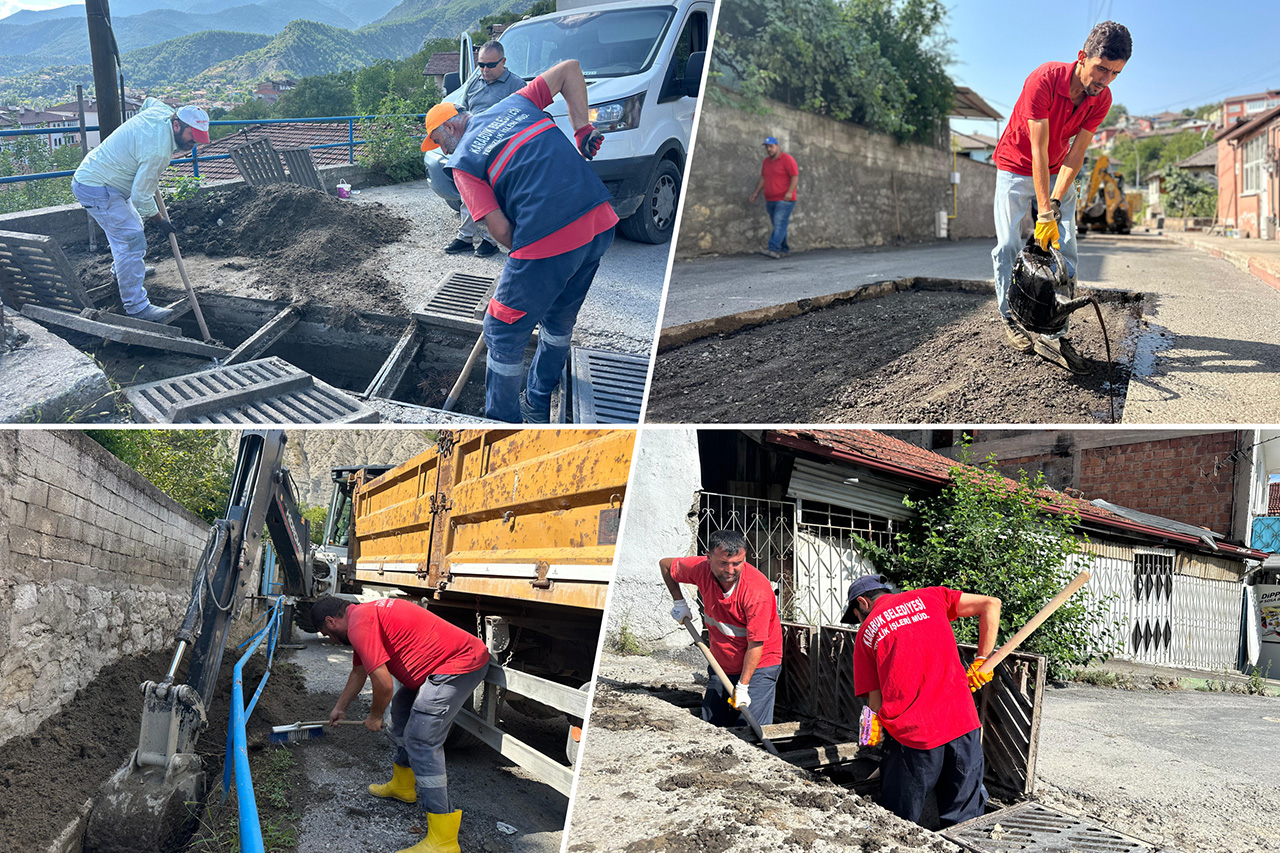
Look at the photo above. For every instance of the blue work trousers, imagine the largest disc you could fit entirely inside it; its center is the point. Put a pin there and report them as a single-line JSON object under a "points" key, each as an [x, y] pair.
{"points": [[715, 702], [420, 721], [952, 771], [545, 291], [123, 226], [780, 215], [1014, 196]]}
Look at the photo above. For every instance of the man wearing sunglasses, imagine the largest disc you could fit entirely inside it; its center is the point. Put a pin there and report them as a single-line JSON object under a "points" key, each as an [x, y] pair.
{"points": [[534, 190], [490, 83]]}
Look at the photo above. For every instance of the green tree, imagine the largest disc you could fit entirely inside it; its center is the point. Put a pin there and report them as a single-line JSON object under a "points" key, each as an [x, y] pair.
{"points": [[1117, 112], [191, 466], [250, 110], [481, 33], [317, 516], [31, 155], [985, 534], [319, 96], [1188, 195], [372, 84], [393, 141]]}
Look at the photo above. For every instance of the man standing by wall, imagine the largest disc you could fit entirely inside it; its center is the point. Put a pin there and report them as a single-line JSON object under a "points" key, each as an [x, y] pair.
{"points": [[1039, 155], [779, 177], [905, 661], [537, 195], [741, 614], [490, 83], [117, 182], [438, 665]]}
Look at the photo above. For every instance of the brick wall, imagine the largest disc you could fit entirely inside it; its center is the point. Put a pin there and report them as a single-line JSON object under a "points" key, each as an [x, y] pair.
{"points": [[95, 564]]}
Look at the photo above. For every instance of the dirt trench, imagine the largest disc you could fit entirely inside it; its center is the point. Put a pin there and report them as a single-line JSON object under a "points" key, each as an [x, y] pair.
{"points": [[911, 357]]}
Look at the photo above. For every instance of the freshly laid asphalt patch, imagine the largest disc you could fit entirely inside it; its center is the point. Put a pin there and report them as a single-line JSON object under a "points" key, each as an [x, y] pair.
{"points": [[912, 357]]}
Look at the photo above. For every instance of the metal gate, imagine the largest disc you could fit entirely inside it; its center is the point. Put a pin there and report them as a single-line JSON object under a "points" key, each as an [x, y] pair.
{"points": [[769, 527]]}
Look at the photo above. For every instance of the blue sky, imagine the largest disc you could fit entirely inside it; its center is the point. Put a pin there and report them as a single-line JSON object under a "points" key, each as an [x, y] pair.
{"points": [[1184, 53], [8, 7]]}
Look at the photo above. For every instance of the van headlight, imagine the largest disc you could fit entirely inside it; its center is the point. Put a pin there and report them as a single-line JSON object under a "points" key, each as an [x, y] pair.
{"points": [[617, 115]]}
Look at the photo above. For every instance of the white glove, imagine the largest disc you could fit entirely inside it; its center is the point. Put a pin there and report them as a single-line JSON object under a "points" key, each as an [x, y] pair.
{"points": [[680, 611], [741, 698]]}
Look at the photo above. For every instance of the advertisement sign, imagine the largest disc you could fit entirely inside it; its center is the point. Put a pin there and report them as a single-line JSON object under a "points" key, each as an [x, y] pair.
{"points": [[1269, 611]]}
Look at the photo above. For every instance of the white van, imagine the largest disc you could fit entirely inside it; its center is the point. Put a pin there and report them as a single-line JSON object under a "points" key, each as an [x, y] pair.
{"points": [[643, 62]]}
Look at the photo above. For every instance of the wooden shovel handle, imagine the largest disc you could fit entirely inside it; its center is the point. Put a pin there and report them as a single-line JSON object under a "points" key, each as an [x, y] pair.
{"points": [[1025, 631], [182, 271]]}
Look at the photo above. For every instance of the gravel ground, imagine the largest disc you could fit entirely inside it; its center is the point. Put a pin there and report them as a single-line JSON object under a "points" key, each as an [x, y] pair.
{"points": [[489, 789], [1184, 769], [621, 311]]}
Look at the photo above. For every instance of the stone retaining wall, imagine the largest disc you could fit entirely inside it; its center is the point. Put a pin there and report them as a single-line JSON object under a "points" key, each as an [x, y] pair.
{"points": [[95, 564]]}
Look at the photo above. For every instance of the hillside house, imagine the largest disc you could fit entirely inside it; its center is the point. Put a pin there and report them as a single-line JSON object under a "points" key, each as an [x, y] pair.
{"points": [[1248, 184]]}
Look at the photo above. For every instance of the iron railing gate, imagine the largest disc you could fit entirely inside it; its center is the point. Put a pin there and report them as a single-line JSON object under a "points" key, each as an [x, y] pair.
{"points": [[769, 527]]}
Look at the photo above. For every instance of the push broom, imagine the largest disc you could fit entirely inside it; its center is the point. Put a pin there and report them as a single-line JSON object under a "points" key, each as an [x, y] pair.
{"points": [[306, 731]]}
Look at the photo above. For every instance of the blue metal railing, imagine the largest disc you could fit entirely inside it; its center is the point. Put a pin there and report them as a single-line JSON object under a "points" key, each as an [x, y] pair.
{"points": [[195, 159], [237, 757]]}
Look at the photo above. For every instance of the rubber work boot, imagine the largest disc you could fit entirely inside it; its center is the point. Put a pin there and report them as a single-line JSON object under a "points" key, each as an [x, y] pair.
{"points": [[1016, 337], [442, 835], [401, 787], [1062, 353]]}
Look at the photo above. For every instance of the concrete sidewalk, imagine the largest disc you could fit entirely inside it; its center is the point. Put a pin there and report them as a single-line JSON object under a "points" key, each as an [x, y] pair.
{"points": [[1259, 258]]}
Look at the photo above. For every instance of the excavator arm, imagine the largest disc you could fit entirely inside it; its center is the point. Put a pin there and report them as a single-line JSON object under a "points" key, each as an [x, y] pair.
{"points": [[150, 802]]}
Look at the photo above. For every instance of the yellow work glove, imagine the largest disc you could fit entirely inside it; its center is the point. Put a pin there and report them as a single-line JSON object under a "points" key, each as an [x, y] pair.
{"points": [[977, 680], [1047, 231]]}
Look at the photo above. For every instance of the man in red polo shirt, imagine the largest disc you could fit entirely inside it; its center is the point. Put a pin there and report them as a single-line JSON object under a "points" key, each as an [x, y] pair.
{"points": [[779, 177], [1038, 157], [907, 664], [741, 614], [438, 666], [537, 196]]}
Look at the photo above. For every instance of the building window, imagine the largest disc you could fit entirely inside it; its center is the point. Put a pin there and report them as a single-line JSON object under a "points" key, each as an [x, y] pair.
{"points": [[824, 518], [1255, 106], [1254, 152]]}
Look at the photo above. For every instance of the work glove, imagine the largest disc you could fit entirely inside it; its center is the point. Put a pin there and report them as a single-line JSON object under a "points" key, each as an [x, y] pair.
{"points": [[680, 611], [870, 732], [741, 698], [165, 227], [1055, 206], [1047, 231], [589, 140], [977, 680]]}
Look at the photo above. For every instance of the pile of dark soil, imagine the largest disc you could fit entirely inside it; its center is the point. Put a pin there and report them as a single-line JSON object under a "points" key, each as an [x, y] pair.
{"points": [[51, 772], [911, 357], [311, 246]]}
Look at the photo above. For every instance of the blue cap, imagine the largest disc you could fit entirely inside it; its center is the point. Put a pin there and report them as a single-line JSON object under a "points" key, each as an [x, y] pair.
{"points": [[770, 140], [860, 587]]}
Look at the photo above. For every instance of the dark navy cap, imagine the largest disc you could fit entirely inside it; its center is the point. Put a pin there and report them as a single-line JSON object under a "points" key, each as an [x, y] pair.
{"points": [[860, 587]]}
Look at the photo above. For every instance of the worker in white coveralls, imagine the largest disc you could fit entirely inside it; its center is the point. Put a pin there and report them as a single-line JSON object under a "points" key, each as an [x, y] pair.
{"points": [[117, 183]]}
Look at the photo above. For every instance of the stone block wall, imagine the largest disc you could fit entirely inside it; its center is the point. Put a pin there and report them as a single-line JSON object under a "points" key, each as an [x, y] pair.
{"points": [[95, 564], [857, 188]]}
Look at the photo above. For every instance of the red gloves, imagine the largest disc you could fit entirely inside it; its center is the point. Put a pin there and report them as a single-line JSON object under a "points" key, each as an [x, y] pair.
{"points": [[588, 139]]}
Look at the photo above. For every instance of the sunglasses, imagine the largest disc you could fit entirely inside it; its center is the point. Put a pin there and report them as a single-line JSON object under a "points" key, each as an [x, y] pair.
{"points": [[492, 64]]}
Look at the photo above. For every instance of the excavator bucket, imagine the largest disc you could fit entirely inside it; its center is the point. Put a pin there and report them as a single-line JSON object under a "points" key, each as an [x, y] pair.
{"points": [[147, 808]]}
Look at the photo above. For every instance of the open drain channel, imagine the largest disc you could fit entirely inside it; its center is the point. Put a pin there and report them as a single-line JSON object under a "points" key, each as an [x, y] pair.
{"points": [[1035, 828]]}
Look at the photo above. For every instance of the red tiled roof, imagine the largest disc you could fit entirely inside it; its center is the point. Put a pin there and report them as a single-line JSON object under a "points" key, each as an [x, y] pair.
{"points": [[1273, 498], [441, 63], [281, 136], [893, 456]]}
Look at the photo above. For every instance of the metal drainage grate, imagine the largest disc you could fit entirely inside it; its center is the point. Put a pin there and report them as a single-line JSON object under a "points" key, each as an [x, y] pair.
{"points": [[607, 387], [267, 391], [1035, 828], [459, 301], [302, 168], [259, 162], [34, 271]]}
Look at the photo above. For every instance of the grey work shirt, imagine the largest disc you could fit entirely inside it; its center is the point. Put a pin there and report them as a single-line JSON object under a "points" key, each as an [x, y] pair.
{"points": [[480, 96]]}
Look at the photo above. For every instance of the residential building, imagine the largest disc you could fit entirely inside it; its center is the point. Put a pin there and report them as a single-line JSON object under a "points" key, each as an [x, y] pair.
{"points": [[270, 90], [438, 66], [71, 113], [975, 146], [29, 119], [1248, 186], [1239, 107]]}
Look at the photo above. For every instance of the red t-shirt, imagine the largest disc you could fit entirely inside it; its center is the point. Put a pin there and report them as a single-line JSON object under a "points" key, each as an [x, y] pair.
{"points": [[480, 201], [748, 612], [777, 174], [905, 648], [411, 641], [1047, 94]]}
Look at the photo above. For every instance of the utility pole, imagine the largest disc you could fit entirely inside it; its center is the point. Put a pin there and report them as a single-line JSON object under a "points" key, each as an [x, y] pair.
{"points": [[102, 47]]}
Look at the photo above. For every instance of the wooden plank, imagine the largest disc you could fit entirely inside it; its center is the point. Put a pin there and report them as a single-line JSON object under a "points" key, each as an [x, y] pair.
{"points": [[126, 322], [230, 399], [122, 335], [261, 340], [822, 756]]}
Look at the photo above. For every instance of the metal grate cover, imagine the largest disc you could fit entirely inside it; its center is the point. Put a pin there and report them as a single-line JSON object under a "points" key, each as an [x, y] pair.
{"points": [[607, 387], [259, 162], [1034, 828], [33, 270], [459, 301], [267, 391], [302, 168]]}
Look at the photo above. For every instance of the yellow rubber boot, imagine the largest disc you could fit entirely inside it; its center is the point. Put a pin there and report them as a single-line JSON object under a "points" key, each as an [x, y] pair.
{"points": [[401, 787], [442, 835]]}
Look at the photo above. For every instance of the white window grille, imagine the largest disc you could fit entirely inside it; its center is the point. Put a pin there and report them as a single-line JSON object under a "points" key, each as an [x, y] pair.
{"points": [[1254, 153]]}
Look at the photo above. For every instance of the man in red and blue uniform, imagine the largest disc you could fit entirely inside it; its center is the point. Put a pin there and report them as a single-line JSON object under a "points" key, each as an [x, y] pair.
{"points": [[906, 662], [741, 615], [537, 196]]}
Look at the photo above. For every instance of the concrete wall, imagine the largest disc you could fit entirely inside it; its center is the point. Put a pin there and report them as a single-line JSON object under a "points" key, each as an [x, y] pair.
{"points": [[95, 564], [857, 188], [662, 505]]}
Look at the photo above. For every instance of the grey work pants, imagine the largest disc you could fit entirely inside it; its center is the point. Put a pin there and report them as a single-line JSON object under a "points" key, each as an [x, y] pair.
{"points": [[420, 721]]}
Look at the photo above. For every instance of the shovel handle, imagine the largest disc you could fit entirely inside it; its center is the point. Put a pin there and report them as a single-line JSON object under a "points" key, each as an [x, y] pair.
{"points": [[1025, 631], [182, 270], [728, 685]]}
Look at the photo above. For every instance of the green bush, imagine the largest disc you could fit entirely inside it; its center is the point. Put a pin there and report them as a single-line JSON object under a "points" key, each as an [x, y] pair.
{"points": [[393, 144], [986, 535], [191, 466]]}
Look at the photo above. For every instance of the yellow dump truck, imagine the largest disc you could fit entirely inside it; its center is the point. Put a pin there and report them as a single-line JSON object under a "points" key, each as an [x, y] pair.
{"points": [[509, 534]]}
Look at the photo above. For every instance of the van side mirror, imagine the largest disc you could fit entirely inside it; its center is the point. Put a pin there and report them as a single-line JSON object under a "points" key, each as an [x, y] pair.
{"points": [[452, 81], [693, 72]]}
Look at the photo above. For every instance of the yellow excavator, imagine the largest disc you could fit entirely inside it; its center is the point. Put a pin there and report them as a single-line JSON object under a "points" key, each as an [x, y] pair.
{"points": [[1104, 207]]}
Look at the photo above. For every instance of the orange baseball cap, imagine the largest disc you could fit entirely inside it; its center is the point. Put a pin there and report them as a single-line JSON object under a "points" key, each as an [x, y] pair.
{"points": [[437, 116]]}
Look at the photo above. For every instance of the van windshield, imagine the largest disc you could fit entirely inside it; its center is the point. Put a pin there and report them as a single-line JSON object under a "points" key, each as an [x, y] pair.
{"points": [[610, 43]]}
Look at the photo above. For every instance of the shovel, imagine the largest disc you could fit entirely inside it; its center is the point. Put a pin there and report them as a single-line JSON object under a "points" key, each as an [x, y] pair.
{"points": [[728, 685], [182, 270]]}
